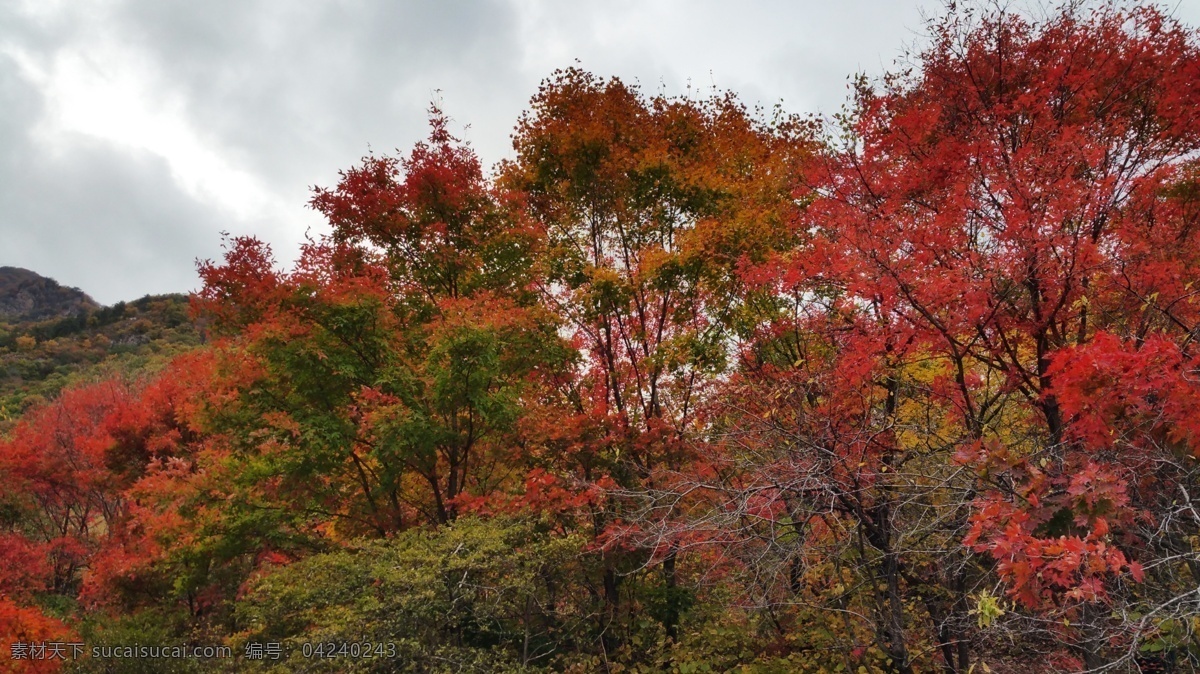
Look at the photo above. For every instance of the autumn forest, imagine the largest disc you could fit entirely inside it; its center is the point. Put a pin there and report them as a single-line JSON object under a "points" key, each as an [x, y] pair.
{"points": [[683, 385]]}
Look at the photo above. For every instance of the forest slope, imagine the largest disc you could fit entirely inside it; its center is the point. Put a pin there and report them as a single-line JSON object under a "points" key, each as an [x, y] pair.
{"points": [[52, 336]]}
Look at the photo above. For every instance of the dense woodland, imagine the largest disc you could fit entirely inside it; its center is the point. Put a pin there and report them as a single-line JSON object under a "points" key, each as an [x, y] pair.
{"points": [[682, 386]]}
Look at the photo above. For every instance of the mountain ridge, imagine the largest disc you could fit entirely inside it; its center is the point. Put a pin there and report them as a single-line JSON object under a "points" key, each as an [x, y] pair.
{"points": [[28, 296]]}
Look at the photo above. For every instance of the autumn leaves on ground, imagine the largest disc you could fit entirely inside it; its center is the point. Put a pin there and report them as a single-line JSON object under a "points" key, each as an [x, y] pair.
{"points": [[682, 386]]}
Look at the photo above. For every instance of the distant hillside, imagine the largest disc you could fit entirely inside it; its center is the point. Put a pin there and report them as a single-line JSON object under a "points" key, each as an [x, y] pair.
{"points": [[52, 336], [28, 296]]}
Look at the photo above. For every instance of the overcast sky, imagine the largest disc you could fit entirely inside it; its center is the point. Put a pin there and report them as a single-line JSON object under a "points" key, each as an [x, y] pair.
{"points": [[133, 132]]}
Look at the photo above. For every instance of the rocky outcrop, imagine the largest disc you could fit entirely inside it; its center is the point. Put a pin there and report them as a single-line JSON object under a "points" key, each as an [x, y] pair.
{"points": [[28, 296]]}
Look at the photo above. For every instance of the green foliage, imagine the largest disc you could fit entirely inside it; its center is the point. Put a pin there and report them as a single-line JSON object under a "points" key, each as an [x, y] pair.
{"points": [[477, 595], [149, 627]]}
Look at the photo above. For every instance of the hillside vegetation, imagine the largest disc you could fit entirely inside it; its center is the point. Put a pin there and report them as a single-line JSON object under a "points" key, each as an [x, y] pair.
{"points": [[51, 337]]}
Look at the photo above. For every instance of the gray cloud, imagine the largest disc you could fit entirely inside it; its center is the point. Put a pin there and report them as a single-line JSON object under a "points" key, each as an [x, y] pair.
{"points": [[90, 215], [133, 131], [291, 85]]}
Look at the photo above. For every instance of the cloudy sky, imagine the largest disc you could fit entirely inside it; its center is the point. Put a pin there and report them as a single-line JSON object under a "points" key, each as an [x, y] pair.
{"points": [[133, 132]]}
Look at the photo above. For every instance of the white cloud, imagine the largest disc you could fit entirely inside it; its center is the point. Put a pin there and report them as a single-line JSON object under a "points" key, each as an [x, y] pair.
{"points": [[110, 93]]}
